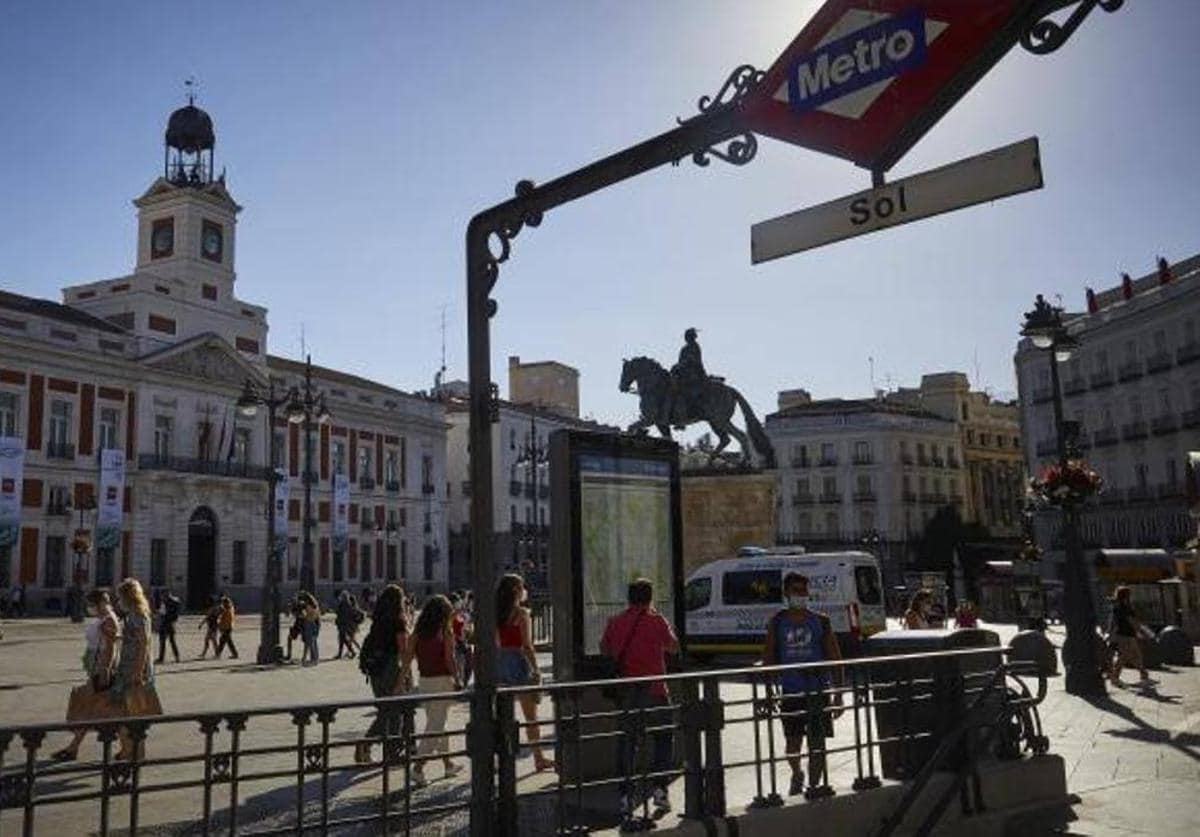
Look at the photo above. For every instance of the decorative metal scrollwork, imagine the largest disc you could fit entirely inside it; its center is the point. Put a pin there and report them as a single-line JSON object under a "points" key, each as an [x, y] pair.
{"points": [[740, 149], [12, 791], [220, 767], [499, 238], [119, 778], [313, 757], [1044, 34]]}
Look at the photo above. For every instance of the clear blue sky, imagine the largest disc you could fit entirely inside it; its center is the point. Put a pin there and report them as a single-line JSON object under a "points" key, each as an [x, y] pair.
{"points": [[361, 137]]}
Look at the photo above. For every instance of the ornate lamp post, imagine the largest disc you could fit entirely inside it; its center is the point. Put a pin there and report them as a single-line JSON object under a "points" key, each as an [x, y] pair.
{"points": [[81, 545], [307, 406], [535, 456], [1044, 328], [269, 650]]}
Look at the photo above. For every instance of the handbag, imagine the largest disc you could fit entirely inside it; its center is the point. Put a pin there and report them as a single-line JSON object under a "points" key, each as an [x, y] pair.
{"points": [[609, 668]]}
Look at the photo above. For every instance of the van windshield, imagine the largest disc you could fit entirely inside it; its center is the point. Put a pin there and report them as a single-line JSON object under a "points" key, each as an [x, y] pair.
{"points": [[697, 593], [866, 580], [752, 587]]}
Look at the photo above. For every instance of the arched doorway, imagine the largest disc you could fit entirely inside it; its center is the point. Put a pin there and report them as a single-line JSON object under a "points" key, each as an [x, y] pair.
{"points": [[202, 557]]}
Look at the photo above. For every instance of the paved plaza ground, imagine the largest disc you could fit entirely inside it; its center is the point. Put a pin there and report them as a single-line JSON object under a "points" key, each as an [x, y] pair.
{"points": [[1133, 760]]}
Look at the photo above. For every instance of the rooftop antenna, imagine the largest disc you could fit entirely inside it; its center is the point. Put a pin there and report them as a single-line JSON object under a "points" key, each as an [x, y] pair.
{"points": [[871, 363], [978, 376], [440, 377], [303, 344]]}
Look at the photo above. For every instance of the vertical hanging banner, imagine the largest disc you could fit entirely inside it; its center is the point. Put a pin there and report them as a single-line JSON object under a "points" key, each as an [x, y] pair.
{"points": [[110, 505], [12, 466], [281, 509], [341, 516]]}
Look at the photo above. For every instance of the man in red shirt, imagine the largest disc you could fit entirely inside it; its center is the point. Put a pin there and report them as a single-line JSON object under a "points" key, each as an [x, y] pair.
{"points": [[639, 639]]}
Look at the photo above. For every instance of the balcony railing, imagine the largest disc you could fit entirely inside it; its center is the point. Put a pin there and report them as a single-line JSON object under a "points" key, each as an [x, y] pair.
{"points": [[1134, 430], [906, 459], [1158, 362], [59, 450], [937, 462], [366, 483], [58, 508], [1042, 394], [1187, 353], [864, 496], [801, 462], [189, 465], [393, 486], [828, 462], [543, 492], [1101, 379], [1162, 425], [1191, 418], [1046, 447], [1138, 493], [1129, 371], [514, 487], [864, 460], [427, 488], [831, 498], [803, 499], [1104, 437], [1074, 386]]}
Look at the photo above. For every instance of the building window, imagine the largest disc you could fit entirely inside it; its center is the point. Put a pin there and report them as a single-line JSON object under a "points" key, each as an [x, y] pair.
{"points": [[427, 473], [239, 562], [1164, 402], [829, 487], [800, 456], [8, 413], [428, 568], [364, 561], [831, 524], [828, 453], [158, 562], [278, 446], [292, 570], [862, 453], [390, 562], [512, 439], [60, 423], [1141, 474], [241, 445], [390, 470], [56, 554], [404, 560], [1171, 471], [866, 521], [364, 463], [338, 456], [802, 487], [338, 559], [163, 429], [5, 566], [864, 485], [110, 422]]}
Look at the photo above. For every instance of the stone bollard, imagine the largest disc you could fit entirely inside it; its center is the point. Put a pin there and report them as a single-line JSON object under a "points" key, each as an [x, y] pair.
{"points": [[1176, 647], [1033, 647]]}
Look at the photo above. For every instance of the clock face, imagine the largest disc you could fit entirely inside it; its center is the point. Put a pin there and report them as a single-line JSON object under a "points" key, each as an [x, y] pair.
{"points": [[162, 238], [210, 241]]}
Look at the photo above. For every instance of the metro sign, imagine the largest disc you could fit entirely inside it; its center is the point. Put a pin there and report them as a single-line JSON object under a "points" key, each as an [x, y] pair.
{"points": [[865, 79]]}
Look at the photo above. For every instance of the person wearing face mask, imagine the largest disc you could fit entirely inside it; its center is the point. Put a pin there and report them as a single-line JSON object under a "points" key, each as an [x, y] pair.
{"points": [[799, 635]]}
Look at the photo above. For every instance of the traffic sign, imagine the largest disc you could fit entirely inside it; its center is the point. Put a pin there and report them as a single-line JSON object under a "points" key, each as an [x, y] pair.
{"points": [[865, 79], [1005, 171]]}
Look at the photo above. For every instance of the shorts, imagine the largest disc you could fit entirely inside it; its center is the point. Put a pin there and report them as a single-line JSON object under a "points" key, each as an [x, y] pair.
{"points": [[794, 711], [1129, 652], [512, 669]]}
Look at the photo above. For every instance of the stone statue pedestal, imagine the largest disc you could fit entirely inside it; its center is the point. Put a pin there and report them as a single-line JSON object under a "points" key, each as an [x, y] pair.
{"points": [[724, 509]]}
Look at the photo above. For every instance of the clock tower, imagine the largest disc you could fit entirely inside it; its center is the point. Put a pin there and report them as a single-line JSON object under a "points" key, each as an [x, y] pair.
{"points": [[182, 283]]}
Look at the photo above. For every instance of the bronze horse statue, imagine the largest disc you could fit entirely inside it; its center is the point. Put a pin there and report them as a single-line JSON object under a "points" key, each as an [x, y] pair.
{"points": [[715, 404]]}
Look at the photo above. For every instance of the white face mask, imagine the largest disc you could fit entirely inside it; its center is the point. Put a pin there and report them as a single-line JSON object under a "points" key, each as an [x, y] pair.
{"points": [[797, 602]]}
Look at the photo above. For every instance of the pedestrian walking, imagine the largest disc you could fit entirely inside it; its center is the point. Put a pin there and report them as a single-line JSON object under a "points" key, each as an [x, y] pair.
{"points": [[639, 640], [133, 693], [168, 614], [965, 616], [798, 635], [920, 610], [296, 631], [346, 620], [463, 652], [1123, 632], [433, 648], [16, 601], [386, 662], [516, 661], [89, 701], [311, 629], [225, 623], [209, 625]]}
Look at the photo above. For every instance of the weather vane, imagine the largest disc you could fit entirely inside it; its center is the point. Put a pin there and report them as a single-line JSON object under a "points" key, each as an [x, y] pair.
{"points": [[191, 84]]}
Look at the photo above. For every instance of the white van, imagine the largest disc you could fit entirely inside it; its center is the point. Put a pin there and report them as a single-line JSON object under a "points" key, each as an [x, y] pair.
{"points": [[729, 602]]}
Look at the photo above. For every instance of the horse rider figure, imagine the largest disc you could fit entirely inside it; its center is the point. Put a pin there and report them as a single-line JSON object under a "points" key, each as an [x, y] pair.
{"points": [[688, 378]]}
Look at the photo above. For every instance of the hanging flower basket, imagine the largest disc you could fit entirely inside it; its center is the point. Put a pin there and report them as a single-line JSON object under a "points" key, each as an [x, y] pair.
{"points": [[81, 544], [1066, 486]]}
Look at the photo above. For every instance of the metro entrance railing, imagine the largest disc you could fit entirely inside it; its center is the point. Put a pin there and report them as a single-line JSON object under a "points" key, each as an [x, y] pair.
{"points": [[295, 769]]}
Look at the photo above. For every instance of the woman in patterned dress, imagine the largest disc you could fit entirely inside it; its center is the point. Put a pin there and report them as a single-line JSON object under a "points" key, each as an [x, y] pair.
{"points": [[133, 693]]}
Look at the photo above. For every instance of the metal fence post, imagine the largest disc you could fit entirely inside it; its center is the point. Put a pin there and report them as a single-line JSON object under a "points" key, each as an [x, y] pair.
{"points": [[507, 747], [692, 721], [714, 762]]}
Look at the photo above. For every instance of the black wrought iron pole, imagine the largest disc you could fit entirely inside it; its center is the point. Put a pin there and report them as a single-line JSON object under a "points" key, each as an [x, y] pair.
{"points": [[719, 121], [269, 649], [307, 575], [1082, 664]]}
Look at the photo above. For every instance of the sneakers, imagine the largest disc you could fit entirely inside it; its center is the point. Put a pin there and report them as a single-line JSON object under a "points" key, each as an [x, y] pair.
{"points": [[662, 802], [797, 786]]}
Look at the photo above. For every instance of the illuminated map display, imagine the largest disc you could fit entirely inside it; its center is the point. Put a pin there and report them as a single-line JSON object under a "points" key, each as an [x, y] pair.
{"points": [[625, 528]]}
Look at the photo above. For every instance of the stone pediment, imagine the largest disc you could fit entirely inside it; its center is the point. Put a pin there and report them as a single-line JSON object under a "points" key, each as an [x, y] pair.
{"points": [[206, 357], [162, 189]]}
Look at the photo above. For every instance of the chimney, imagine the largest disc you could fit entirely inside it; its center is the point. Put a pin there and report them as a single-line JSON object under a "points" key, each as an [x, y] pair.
{"points": [[1164, 271], [1091, 301], [1126, 286]]}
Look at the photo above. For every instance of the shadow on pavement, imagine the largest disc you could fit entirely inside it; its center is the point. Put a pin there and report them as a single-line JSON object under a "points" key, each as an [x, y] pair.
{"points": [[1142, 731]]}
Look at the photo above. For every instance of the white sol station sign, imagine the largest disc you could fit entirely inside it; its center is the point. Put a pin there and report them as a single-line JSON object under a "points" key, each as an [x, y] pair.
{"points": [[1005, 171]]}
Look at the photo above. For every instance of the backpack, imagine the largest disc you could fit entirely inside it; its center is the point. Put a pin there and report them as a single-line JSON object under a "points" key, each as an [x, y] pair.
{"points": [[171, 612], [372, 656]]}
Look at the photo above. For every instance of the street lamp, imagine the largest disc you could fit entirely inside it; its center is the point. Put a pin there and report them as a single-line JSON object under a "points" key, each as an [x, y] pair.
{"points": [[535, 456], [81, 545], [1045, 329], [270, 652], [306, 406]]}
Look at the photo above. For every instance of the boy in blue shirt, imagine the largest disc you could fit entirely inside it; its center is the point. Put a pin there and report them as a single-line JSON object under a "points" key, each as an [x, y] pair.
{"points": [[799, 635]]}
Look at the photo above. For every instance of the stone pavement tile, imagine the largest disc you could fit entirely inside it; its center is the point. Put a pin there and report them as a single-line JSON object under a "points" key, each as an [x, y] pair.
{"points": [[1161, 808]]}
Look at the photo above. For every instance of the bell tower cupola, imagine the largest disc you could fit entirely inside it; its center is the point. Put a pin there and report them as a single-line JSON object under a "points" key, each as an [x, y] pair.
{"points": [[188, 149]]}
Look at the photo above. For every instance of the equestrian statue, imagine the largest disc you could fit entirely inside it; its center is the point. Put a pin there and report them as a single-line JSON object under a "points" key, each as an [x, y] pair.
{"points": [[688, 394]]}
